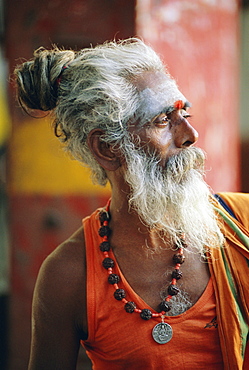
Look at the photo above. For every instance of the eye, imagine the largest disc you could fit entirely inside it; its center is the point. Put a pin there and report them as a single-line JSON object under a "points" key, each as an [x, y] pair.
{"points": [[185, 114], [161, 120]]}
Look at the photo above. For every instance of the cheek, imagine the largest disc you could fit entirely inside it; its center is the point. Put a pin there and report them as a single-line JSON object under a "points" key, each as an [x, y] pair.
{"points": [[162, 143], [154, 140], [162, 150]]}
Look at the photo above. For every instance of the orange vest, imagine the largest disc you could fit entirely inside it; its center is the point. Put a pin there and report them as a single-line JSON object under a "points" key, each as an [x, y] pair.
{"points": [[119, 340]]}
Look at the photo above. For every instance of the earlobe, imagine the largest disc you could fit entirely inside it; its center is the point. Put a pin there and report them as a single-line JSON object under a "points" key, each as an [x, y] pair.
{"points": [[103, 152]]}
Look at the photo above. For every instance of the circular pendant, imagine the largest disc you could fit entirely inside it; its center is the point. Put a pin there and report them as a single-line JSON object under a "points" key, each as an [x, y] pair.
{"points": [[162, 333]]}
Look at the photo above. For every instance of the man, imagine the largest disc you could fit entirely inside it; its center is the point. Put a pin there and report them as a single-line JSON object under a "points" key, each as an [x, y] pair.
{"points": [[157, 278]]}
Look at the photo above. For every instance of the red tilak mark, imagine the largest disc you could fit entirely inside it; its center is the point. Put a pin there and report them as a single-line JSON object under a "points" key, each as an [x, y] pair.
{"points": [[179, 104]]}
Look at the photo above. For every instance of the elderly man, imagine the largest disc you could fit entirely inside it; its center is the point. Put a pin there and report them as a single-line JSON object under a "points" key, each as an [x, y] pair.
{"points": [[157, 278]]}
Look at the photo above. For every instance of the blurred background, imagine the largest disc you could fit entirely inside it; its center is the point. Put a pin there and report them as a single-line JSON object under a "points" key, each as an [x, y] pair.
{"points": [[43, 193]]}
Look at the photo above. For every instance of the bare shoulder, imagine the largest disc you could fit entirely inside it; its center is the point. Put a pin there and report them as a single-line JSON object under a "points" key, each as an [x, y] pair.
{"points": [[66, 264], [60, 287], [67, 256], [59, 307]]}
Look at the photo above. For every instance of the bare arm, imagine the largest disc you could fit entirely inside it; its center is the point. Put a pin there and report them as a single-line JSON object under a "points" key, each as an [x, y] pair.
{"points": [[59, 314]]}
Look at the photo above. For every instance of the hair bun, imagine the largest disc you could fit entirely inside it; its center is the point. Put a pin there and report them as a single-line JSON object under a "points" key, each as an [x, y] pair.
{"points": [[37, 79]]}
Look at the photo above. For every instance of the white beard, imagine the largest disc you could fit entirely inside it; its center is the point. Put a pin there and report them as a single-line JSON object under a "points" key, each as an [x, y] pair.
{"points": [[175, 199]]}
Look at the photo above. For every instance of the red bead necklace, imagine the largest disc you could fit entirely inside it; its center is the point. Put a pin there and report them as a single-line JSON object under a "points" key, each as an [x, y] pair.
{"points": [[120, 294]]}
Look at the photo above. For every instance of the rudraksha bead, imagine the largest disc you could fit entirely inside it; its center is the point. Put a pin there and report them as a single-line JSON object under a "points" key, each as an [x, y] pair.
{"points": [[176, 274], [108, 263], [178, 258], [105, 247], [104, 231], [146, 314], [119, 294], [164, 306], [113, 279], [173, 290], [104, 216], [130, 307]]}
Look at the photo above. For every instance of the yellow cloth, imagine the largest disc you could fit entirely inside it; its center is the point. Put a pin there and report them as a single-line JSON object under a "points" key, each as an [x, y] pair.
{"points": [[229, 271]]}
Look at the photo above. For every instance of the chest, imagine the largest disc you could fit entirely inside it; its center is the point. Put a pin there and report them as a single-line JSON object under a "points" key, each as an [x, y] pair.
{"points": [[150, 275]]}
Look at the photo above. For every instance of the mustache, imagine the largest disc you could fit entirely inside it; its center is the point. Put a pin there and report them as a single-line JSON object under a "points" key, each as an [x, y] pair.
{"points": [[184, 161]]}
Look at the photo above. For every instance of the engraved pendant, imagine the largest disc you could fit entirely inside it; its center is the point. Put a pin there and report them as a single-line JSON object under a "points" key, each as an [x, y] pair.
{"points": [[162, 333]]}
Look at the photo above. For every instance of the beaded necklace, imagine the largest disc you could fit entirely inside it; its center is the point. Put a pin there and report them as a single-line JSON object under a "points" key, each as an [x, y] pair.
{"points": [[162, 332]]}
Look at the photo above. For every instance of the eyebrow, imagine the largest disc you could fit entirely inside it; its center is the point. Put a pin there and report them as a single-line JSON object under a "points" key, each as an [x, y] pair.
{"points": [[166, 110], [171, 108]]}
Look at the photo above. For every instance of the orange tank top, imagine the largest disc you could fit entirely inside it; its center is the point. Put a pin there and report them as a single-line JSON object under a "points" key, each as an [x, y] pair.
{"points": [[120, 340]]}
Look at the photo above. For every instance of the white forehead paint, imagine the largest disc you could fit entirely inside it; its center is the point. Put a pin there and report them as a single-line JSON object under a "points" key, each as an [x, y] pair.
{"points": [[153, 100]]}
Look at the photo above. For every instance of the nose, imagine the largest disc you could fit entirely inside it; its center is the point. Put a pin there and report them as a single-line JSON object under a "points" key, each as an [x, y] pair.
{"points": [[184, 134]]}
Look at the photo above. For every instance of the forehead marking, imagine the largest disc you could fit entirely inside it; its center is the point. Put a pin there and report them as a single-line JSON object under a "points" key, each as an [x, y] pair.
{"points": [[179, 104]]}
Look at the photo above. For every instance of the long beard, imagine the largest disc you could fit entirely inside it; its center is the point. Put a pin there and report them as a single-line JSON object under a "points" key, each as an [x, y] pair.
{"points": [[174, 199]]}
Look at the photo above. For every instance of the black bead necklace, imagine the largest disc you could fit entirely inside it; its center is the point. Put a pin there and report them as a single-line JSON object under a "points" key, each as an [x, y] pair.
{"points": [[162, 332]]}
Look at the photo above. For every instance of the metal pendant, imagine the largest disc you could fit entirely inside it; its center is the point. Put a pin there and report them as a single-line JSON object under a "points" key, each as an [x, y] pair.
{"points": [[162, 333]]}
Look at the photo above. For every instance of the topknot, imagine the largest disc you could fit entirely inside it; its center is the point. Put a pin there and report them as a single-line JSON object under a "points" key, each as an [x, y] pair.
{"points": [[37, 79]]}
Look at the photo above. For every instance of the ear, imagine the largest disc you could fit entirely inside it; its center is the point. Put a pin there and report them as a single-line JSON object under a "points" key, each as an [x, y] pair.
{"points": [[103, 152]]}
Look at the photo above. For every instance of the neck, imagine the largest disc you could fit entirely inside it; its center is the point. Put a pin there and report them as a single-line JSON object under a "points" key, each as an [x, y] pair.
{"points": [[129, 230]]}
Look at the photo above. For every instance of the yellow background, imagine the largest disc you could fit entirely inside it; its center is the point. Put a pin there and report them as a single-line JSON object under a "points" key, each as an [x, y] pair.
{"points": [[40, 165]]}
